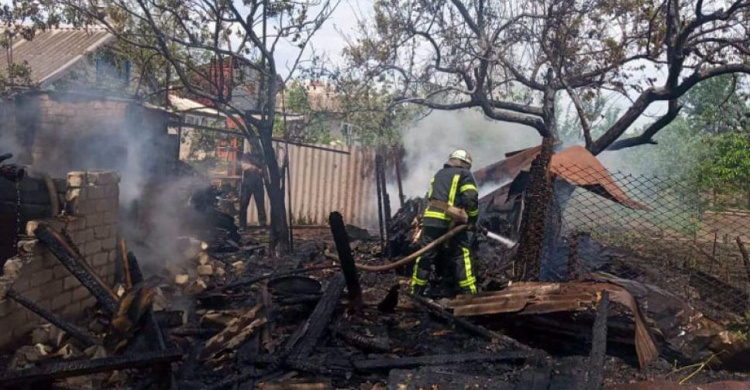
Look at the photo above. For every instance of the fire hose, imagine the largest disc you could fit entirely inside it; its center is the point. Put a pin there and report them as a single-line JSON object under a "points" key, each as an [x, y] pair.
{"points": [[408, 259]]}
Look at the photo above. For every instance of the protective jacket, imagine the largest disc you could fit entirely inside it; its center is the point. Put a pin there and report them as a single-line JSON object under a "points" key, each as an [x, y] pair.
{"points": [[454, 186], [451, 186]]}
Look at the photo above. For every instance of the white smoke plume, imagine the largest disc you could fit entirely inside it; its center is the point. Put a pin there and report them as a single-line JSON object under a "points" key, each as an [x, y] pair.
{"points": [[430, 141]]}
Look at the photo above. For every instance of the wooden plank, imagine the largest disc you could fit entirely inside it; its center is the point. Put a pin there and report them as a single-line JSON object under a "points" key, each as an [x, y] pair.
{"points": [[595, 374], [341, 238], [440, 360], [321, 316], [59, 370], [468, 326]]}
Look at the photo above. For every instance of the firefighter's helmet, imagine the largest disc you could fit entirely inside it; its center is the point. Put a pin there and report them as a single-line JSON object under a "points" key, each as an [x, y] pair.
{"points": [[461, 155]]}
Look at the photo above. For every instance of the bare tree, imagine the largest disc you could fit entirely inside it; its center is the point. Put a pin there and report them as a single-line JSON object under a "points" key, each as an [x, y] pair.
{"points": [[199, 38], [513, 58]]}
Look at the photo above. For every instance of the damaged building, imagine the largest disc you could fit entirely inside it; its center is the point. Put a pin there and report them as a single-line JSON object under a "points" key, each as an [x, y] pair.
{"points": [[103, 286]]}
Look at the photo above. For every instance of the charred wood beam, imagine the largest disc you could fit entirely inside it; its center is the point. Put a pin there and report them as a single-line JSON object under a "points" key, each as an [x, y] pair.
{"points": [[321, 316], [301, 343], [437, 311], [595, 375], [397, 164], [378, 185], [249, 282], [440, 360], [78, 267], [386, 206], [59, 370], [373, 344], [136, 275], [348, 267], [69, 328], [193, 331]]}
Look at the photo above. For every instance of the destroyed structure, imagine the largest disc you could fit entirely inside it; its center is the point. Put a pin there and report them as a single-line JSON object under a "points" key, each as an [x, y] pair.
{"points": [[103, 286]]}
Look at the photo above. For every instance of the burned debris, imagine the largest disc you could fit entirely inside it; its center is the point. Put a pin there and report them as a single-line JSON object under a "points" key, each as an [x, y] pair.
{"points": [[222, 312]]}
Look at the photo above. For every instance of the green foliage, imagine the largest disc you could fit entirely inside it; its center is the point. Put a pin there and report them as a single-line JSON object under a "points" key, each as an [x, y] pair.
{"points": [[728, 164], [707, 145], [315, 125]]}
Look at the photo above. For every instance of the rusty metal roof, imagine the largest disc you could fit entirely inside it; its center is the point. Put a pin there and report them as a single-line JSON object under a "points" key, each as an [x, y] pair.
{"points": [[534, 298], [575, 164], [53, 51]]}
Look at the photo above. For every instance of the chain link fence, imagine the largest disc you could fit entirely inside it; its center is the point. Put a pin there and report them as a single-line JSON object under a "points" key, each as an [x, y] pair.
{"points": [[659, 231]]}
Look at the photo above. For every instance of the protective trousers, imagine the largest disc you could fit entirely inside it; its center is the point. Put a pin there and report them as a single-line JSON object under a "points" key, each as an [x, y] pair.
{"points": [[457, 255], [252, 187]]}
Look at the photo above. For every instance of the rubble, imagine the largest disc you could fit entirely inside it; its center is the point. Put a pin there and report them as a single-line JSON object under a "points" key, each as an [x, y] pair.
{"points": [[228, 315]]}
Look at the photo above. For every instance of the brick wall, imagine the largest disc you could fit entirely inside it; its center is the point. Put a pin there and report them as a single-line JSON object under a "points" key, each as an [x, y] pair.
{"points": [[76, 132], [92, 222]]}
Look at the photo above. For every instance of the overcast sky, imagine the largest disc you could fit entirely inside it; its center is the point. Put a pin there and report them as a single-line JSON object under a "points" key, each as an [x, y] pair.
{"points": [[330, 40]]}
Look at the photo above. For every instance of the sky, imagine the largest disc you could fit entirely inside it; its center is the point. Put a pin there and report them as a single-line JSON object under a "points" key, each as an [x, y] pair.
{"points": [[330, 39]]}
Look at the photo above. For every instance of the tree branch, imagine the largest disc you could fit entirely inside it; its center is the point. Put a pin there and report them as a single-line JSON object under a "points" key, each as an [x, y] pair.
{"points": [[655, 94], [647, 136]]}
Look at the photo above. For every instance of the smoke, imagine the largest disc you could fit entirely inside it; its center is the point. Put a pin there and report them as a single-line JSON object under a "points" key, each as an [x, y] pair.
{"points": [[430, 141], [93, 133]]}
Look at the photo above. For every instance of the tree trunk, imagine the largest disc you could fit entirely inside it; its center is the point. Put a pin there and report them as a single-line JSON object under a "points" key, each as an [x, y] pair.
{"points": [[279, 235]]}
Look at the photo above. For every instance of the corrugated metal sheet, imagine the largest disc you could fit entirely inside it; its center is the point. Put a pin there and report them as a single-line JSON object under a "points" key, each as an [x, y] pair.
{"points": [[324, 181], [574, 164], [55, 50]]}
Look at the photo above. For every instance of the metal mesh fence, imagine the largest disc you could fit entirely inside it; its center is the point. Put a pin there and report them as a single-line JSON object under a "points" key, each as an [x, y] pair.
{"points": [[659, 231]]}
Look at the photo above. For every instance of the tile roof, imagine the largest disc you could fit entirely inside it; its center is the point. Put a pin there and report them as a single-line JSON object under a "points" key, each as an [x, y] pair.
{"points": [[53, 51]]}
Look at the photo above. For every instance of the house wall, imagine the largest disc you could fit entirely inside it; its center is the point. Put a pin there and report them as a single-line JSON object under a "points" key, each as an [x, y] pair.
{"points": [[73, 132], [92, 223], [90, 74]]}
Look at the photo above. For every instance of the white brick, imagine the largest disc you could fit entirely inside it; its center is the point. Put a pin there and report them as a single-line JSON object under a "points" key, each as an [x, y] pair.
{"points": [[77, 179]]}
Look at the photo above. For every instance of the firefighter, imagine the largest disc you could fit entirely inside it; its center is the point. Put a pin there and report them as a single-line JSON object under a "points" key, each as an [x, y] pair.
{"points": [[453, 200], [252, 186]]}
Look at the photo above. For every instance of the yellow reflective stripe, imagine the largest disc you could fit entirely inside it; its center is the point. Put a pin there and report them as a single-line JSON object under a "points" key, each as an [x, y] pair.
{"points": [[454, 187], [467, 283], [430, 194], [470, 280], [436, 215], [468, 187], [473, 213], [415, 281]]}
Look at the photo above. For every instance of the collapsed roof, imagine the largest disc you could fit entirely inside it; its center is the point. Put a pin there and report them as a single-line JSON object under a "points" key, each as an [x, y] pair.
{"points": [[575, 164]]}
